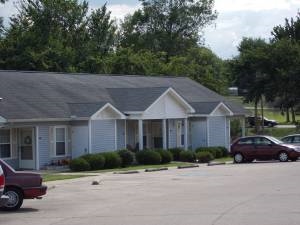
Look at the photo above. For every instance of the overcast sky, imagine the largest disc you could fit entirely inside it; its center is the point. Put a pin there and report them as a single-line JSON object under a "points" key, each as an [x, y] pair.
{"points": [[236, 19]]}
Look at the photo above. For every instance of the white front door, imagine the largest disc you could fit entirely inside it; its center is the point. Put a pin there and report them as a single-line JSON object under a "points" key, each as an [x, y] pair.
{"points": [[26, 148]]}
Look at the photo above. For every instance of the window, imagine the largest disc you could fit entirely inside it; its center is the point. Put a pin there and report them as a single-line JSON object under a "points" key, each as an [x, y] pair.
{"points": [[296, 139], [60, 141], [245, 141], [262, 141], [5, 150]]}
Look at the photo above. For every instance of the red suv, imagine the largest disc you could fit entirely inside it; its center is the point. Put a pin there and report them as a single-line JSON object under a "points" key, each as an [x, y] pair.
{"points": [[246, 149], [19, 186]]}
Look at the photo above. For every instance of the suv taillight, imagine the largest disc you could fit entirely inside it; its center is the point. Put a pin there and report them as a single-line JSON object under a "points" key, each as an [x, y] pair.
{"points": [[2, 181]]}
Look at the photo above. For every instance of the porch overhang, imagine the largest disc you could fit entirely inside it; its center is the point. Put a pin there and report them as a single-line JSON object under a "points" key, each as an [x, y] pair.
{"points": [[2, 120], [108, 111], [221, 110]]}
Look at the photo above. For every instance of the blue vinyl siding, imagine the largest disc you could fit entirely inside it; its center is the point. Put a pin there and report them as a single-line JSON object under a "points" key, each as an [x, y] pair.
{"points": [[103, 135]]}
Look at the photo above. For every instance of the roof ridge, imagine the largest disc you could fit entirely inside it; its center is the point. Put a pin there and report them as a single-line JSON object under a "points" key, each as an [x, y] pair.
{"points": [[94, 74]]}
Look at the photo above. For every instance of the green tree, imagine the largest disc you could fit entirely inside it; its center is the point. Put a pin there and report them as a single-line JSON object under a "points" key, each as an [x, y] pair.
{"points": [[170, 26], [251, 68], [201, 65]]}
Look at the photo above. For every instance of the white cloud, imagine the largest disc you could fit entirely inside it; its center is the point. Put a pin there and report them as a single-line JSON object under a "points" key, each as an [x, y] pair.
{"points": [[119, 11], [253, 5]]}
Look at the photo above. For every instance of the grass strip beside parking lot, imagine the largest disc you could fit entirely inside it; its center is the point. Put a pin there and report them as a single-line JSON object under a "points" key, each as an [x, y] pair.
{"points": [[58, 176], [224, 159]]}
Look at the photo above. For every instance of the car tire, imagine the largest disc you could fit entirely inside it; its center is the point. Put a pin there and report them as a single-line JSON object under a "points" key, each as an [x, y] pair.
{"points": [[15, 200], [283, 157], [238, 158]]}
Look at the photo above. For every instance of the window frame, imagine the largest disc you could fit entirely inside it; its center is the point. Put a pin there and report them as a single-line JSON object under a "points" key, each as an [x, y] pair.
{"points": [[66, 141], [10, 145]]}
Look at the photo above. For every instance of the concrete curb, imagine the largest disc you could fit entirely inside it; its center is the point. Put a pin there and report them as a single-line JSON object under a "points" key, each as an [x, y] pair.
{"points": [[216, 163], [156, 169], [188, 166], [127, 172]]}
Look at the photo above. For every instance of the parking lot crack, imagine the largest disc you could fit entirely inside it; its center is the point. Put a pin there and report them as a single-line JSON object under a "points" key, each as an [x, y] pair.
{"points": [[234, 207]]}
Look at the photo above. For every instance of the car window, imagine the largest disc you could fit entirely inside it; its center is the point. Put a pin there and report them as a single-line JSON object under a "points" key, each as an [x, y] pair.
{"points": [[296, 139], [262, 141], [245, 141], [287, 139]]}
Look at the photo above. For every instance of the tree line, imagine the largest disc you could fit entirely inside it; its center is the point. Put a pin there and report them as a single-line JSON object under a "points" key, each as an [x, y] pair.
{"points": [[270, 71], [163, 37]]}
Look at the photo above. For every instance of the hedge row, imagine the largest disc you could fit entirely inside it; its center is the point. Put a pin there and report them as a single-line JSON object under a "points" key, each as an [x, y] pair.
{"points": [[124, 158]]}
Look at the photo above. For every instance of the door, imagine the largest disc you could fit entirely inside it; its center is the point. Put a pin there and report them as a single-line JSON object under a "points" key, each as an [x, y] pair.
{"points": [[26, 148], [199, 135], [80, 141], [264, 148]]}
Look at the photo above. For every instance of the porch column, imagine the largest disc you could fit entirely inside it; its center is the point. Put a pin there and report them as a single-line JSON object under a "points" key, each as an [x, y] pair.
{"points": [[186, 134], [141, 144], [164, 133], [243, 127]]}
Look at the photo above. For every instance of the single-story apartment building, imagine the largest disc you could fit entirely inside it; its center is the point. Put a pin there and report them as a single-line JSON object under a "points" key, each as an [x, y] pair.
{"points": [[53, 116]]}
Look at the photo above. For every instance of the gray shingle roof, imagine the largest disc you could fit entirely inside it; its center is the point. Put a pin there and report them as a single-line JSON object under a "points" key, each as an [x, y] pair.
{"points": [[38, 95]]}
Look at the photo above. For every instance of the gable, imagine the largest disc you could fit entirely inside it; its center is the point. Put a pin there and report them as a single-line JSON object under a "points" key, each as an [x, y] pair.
{"points": [[2, 120], [168, 105], [107, 112], [221, 110]]}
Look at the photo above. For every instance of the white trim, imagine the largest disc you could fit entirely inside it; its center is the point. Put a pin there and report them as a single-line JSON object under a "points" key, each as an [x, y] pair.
{"points": [[218, 106], [133, 112], [164, 133], [141, 136], [10, 144], [125, 134], [66, 140], [2, 119], [116, 136], [90, 136], [122, 116], [37, 150], [172, 91]]}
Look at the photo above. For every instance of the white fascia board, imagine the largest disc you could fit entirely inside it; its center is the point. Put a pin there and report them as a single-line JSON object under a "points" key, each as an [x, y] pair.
{"points": [[2, 119], [221, 104], [108, 105], [172, 91]]}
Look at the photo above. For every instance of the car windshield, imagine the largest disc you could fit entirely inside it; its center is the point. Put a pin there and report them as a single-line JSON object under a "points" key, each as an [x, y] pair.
{"points": [[275, 140]]}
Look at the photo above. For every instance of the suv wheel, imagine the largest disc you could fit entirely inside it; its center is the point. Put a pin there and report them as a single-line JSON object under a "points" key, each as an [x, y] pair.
{"points": [[238, 158], [15, 199], [283, 157]]}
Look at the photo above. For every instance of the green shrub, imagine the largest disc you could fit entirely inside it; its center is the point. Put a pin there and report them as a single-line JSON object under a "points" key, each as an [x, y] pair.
{"points": [[112, 160], [176, 153], [165, 155], [79, 164], [126, 156], [217, 152], [204, 156], [187, 156], [224, 151], [96, 161], [148, 157]]}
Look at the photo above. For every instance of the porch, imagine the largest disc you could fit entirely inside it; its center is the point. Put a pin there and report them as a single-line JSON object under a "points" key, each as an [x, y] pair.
{"points": [[151, 134]]}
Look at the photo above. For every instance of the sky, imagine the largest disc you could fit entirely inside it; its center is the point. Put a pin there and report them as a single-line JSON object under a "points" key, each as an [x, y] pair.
{"points": [[236, 19]]}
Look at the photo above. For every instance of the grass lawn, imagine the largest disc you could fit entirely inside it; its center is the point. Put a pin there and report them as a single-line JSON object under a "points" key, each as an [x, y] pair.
{"points": [[275, 132], [58, 176], [224, 159], [141, 167]]}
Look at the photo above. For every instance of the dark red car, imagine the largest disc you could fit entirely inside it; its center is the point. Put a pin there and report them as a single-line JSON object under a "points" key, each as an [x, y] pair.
{"points": [[246, 149], [3, 198], [20, 185]]}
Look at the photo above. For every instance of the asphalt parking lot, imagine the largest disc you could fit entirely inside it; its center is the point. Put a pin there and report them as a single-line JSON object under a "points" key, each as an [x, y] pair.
{"points": [[257, 193]]}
